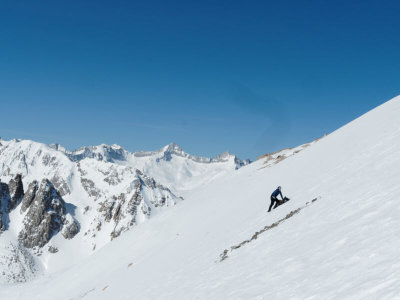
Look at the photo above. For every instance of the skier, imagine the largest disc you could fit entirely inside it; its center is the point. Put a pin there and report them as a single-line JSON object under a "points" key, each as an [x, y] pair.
{"points": [[274, 199]]}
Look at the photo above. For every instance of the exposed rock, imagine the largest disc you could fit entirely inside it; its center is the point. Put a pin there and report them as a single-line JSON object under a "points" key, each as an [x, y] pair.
{"points": [[4, 200], [52, 249], [46, 217], [113, 177], [61, 185], [71, 227], [90, 188], [58, 147], [117, 213], [80, 170], [271, 159], [50, 160], [224, 254], [107, 153], [150, 182], [29, 195], [125, 213], [98, 227], [86, 209], [106, 208], [16, 188], [134, 205]]}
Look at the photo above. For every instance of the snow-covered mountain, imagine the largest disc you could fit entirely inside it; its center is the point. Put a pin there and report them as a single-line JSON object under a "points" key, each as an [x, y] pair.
{"points": [[103, 170], [189, 171], [170, 165], [51, 196], [103, 152], [337, 238]]}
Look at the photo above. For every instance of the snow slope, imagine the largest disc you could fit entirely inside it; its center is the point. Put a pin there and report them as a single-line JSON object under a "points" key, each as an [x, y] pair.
{"points": [[342, 246], [271, 159]]}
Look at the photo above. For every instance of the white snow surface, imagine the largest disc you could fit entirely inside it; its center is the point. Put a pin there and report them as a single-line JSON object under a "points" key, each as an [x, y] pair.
{"points": [[345, 245]]}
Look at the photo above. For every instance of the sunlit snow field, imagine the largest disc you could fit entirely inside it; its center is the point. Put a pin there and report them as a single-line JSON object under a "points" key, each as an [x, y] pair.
{"points": [[343, 246]]}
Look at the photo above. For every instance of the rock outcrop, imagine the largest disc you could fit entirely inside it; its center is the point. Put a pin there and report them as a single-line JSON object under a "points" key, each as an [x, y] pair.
{"points": [[71, 227], [106, 153], [4, 200], [133, 206], [29, 195], [10, 196], [46, 216], [16, 189]]}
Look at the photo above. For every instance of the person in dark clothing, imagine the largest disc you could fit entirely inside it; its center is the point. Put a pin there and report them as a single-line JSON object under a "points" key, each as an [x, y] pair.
{"points": [[274, 198]]}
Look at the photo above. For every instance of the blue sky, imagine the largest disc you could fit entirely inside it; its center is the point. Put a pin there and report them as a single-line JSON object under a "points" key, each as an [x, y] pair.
{"points": [[249, 77]]}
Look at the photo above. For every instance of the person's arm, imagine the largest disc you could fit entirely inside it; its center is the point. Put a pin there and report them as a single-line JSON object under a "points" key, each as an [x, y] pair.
{"points": [[281, 194]]}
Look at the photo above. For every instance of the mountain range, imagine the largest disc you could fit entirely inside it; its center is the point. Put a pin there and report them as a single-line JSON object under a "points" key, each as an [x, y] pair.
{"points": [[49, 195]]}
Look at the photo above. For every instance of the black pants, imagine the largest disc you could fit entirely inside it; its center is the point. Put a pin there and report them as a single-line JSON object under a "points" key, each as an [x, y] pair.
{"points": [[273, 201]]}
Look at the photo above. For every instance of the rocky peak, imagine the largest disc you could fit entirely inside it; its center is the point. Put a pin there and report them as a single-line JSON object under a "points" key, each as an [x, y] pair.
{"points": [[102, 152], [223, 157], [46, 216], [58, 147], [173, 148], [226, 156]]}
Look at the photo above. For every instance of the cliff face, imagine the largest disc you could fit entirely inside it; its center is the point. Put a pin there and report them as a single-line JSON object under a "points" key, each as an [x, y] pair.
{"points": [[16, 189], [4, 202], [46, 216]]}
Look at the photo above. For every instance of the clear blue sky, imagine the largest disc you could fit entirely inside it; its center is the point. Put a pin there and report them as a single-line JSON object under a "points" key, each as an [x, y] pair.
{"points": [[246, 76]]}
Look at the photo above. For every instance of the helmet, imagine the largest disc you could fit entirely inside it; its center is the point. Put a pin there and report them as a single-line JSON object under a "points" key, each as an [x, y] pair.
{"points": [[279, 187]]}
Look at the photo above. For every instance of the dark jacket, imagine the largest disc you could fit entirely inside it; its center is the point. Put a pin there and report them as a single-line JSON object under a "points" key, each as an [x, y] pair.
{"points": [[276, 193]]}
